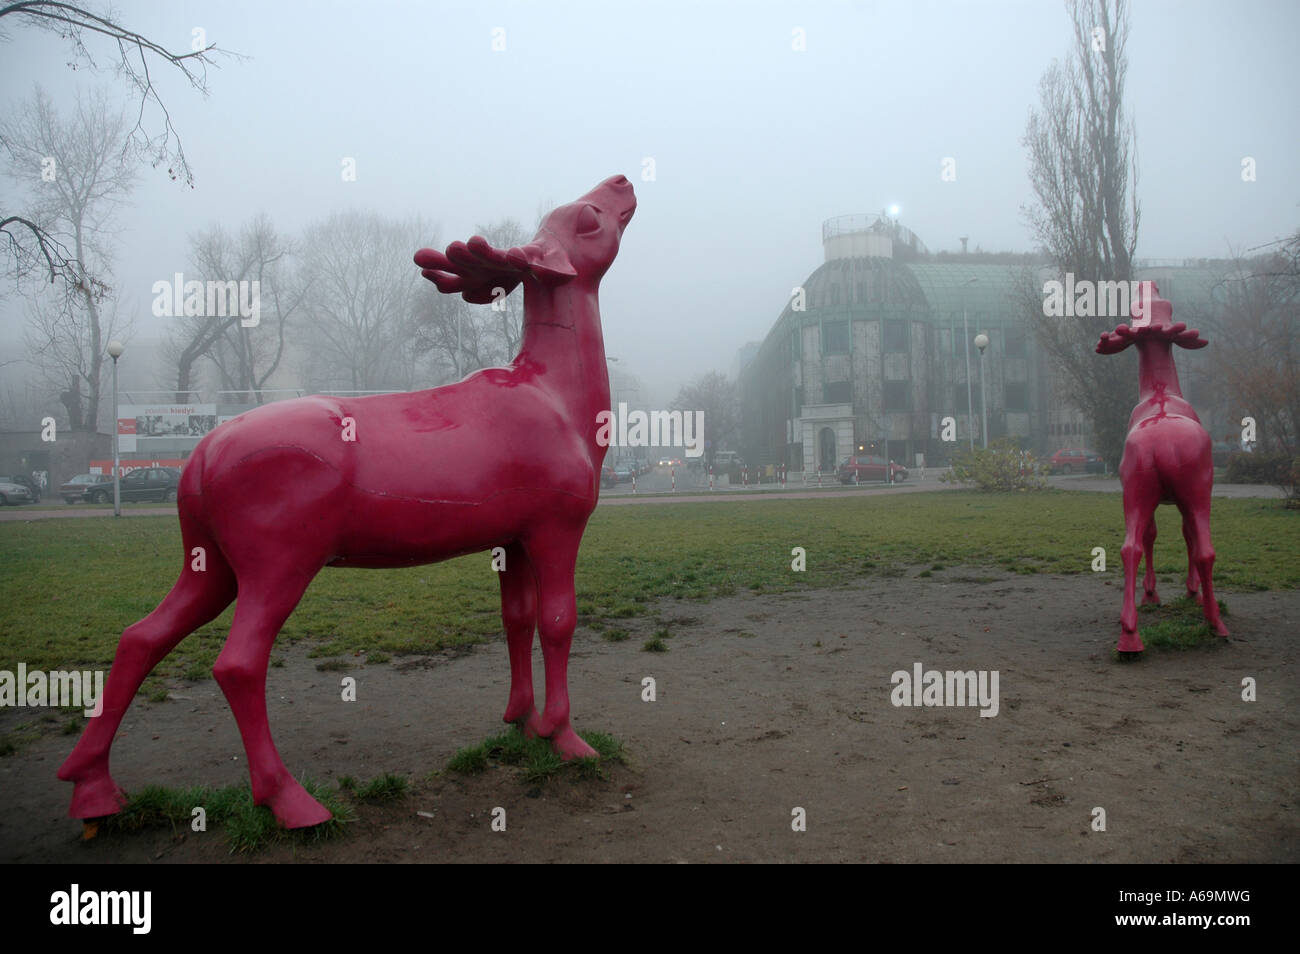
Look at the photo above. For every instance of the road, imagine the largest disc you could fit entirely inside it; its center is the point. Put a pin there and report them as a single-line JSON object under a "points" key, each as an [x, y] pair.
{"points": [[656, 488]]}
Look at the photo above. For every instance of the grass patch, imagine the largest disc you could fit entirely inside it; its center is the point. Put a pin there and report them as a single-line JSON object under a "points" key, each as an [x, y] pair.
{"points": [[615, 635], [534, 759], [1178, 626], [655, 644], [248, 827], [60, 609]]}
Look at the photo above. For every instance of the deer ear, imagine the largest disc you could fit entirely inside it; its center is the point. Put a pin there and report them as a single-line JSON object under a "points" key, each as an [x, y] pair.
{"points": [[549, 263]]}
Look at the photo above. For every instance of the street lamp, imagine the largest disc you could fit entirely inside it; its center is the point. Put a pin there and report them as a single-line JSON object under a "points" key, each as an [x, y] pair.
{"points": [[982, 342], [115, 350], [965, 330]]}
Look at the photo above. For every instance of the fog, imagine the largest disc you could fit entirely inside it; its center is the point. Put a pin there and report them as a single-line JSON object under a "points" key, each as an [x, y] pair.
{"points": [[753, 142]]}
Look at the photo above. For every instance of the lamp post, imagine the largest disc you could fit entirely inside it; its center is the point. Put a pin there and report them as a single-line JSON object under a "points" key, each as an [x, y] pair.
{"points": [[115, 350], [965, 330], [982, 342]]}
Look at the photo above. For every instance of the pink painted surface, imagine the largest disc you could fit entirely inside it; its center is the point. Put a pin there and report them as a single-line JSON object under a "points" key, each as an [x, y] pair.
{"points": [[507, 458], [1166, 460]]}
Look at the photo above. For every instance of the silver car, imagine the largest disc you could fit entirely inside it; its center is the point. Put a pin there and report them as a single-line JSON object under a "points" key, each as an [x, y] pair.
{"points": [[11, 493]]}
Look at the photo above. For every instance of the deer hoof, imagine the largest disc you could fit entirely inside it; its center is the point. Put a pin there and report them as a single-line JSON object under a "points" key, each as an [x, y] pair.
{"points": [[1130, 643], [96, 798], [569, 745], [1151, 598], [294, 808]]}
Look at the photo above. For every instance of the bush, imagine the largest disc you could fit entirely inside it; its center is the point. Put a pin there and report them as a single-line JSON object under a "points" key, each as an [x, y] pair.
{"points": [[1280, 470], [1000, 466], [1258, 468]]}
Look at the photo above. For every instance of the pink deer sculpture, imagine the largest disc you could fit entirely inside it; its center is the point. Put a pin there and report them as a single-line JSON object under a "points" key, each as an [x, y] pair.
{"points": [[1167, 459], [507, 458]]}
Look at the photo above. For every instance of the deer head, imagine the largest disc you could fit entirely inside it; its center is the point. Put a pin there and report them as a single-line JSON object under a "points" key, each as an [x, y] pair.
{"points": [[576, 242], [1152, 321]]}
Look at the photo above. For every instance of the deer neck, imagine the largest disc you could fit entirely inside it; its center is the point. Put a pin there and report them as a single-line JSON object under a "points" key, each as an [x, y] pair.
{"points": [[1157, 376], [562, 338]]}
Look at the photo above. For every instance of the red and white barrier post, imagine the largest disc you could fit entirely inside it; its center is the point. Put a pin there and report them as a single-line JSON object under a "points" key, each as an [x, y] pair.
{"points": [[673, 471]]}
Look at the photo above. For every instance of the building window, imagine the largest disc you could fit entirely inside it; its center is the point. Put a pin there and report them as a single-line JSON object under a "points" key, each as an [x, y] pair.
{"points": [[895, 337], [837, 392], [1015, 343], [1016, 396], [959, 398], [835, 337], [898, 396]]}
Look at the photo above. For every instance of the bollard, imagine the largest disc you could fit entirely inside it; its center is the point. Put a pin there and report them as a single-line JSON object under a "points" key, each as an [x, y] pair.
{"points": [[710, 478], [633, 481], [673, 472]]}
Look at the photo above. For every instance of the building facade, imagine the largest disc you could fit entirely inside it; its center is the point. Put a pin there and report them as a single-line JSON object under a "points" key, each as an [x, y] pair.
{"points": [[874, 354]]}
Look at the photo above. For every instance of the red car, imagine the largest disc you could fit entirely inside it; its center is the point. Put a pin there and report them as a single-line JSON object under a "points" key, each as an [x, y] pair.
{"points": [[1075, 460], [868, 468]]}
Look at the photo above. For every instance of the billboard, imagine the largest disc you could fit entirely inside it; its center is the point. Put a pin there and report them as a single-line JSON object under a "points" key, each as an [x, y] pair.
{"points": [[139, 425]]}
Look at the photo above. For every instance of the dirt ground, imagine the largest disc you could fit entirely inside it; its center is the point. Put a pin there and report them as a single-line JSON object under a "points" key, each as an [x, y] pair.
{"points": [[765, 704]]}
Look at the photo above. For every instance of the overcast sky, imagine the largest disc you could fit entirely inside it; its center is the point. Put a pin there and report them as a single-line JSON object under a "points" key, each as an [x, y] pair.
{"points": [[754, 143]]}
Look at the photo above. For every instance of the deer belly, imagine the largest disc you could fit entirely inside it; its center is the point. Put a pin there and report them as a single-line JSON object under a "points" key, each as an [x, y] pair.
{"points": [[394, 532]]}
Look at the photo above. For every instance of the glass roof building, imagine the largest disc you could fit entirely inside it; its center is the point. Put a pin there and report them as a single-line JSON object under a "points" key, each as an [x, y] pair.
{"points": [[871, 355]]}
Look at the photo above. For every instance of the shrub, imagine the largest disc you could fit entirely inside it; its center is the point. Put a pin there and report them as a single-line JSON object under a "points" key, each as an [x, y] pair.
{"points": [[1280, 470], [1000, 466]]}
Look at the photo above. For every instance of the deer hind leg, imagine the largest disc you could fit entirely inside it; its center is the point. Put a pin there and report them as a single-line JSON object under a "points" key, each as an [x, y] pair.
{"points": [[1139, 511], [196, 598], [265, 602], [1202, 555], [554, 561], [1149, 594], [519, 615], [1193, 580]]}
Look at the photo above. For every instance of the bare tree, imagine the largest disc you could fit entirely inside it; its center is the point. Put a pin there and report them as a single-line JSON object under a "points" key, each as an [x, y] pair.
{"points": [[360, 298], [460, 337], [715, 394], [30, 243], [243, 356], [1254, 313], [78, 172], [1083, 168]]}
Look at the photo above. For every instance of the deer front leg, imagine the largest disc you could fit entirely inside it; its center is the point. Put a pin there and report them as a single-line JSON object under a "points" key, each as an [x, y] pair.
{"points": [[263, 606], [557, 616], [1149, 594], [519, 615]]}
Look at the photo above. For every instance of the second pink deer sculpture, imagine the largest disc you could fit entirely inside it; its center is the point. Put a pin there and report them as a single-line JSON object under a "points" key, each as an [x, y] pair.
{"points": [[508, 458], [1167, 459]]}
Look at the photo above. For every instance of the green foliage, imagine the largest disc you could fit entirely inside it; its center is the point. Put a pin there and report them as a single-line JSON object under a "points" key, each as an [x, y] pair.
{"points": [[535, 758], [248, 827], [1280, 470], [1001, 466], [60, 608]]}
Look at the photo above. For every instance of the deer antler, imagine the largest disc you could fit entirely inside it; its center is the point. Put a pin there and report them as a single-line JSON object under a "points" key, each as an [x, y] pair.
{"points": [[476, 270]]}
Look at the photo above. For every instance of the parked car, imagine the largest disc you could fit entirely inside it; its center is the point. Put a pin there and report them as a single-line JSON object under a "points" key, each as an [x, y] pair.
{"points": [[77, 488], [869, 468], [11, 493], [607, 477], [32, 486], [142, 483], [623, 472], [1076, 460]]}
